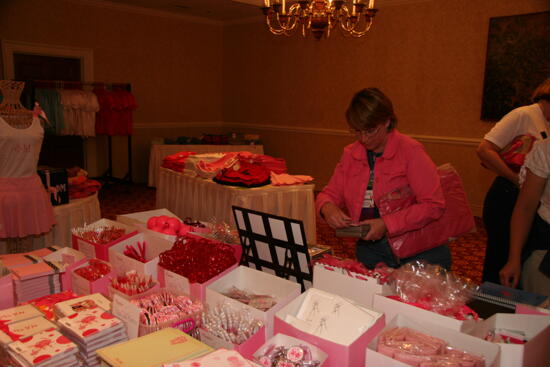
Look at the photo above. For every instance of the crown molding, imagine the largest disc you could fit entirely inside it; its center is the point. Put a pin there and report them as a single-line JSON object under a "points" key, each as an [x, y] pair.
{"points": [[134, 9], [433, 139]]}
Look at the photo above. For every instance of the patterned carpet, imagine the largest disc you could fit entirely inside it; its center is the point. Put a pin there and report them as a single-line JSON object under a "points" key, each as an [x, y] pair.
{"points": [[468, 251]]}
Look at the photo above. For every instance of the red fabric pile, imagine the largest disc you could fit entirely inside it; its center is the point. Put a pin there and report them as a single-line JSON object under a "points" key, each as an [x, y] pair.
{"points": [[176, 161], [244, 174], [82, 186]]}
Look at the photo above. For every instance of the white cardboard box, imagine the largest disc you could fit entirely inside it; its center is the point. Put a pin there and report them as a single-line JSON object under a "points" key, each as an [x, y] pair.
{"points": [[392, 308], [101, 251], [534, 353], [258, 282], [455, 339], [139, 219], [349, 355], [357, 287], [154, 246]]}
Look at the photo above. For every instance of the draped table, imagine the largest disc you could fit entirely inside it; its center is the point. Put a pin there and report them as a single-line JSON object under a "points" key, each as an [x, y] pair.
{"points": [[205, 200], [159, 151], [74, 214]]}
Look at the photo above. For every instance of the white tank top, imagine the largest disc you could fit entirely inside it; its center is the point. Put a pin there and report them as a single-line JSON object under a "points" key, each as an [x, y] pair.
{"points": [[20, 149]]}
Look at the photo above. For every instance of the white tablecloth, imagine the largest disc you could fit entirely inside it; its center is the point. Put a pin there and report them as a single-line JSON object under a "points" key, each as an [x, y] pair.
{"points": [[68, 216], [159, 151], [201, 199]]}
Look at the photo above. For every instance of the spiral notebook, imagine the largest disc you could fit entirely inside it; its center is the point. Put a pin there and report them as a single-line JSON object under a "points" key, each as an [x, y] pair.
{"points": [[495, 298]]}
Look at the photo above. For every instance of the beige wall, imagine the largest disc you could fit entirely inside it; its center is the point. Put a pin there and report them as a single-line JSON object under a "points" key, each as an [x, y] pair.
{"points": [[428, 56]]}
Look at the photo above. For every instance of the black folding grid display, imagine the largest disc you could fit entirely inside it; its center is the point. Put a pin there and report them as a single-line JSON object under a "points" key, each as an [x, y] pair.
{"points": [[274, 244]]}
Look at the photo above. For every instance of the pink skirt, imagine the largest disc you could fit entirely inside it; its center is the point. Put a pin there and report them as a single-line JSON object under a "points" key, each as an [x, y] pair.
{"points": [[25, 207]]}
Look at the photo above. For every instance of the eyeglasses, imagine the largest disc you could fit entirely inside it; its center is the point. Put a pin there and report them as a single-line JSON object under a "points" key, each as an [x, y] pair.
{"points": [[367, 132]]}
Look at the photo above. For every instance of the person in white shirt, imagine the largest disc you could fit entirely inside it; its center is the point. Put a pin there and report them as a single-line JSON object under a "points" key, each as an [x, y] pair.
{"points": [[531, 226], [516, 132]]}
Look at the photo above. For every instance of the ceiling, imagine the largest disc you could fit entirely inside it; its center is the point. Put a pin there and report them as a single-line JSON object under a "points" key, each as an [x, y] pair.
{"points": [[216, 10]]}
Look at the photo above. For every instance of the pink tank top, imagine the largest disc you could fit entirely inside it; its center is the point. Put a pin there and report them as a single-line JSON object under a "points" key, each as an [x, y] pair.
{"points": [[20, 149]]}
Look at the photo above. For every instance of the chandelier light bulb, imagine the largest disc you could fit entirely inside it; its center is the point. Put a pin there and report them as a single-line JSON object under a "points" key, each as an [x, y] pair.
{"points": [[318, 17]]}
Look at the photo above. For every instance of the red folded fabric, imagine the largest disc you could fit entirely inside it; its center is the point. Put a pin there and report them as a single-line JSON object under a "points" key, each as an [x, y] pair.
{"points": [[243, 174], [84, 189], [176, 161]]}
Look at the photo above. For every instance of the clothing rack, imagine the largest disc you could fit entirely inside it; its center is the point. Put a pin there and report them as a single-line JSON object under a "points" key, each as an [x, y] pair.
{"points": [[107, 176]]}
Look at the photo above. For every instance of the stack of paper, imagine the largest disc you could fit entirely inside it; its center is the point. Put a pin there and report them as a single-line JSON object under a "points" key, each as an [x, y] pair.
{"points": [[45, 349], [153, 350], [91, 330], [332, 317], [35, 280], [79, 304]]}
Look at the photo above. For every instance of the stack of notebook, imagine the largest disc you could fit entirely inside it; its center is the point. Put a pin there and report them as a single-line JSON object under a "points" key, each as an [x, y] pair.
{"points": [[153, 350], [48, 348], [91, 330], [80, 304], [35, 280]]}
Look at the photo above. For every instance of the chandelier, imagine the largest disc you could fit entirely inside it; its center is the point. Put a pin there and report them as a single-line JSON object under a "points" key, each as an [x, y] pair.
{"points": [[353, 17]]}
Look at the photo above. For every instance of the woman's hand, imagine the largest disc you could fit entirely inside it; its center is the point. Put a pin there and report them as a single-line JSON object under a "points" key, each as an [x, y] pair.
{"points": [[334, 216], [377, 229], [510, 273]]}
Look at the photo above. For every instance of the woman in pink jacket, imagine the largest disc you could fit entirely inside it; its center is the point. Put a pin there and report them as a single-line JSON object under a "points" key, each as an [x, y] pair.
{"points": [[385, 180]]}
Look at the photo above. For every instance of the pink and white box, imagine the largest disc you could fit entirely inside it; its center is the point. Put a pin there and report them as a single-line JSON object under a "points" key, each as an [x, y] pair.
{"points": [[154, 245], [536, 330], [455, 339], [282, 340], [140, 219], [84, 286], [256, 282], [101, 251], [181, 284], [392, 308], [357, 287], [66, 259], [339, 327]]}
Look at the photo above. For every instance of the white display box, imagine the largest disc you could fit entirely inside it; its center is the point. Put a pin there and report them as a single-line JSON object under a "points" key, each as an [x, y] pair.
{"points": [[393, 307], [349, 355], [456, 339], [139, 219], [246, 349], [357, 287], [154, 246], [257, 282], [101, 251], [72, 258], [534, 353]]}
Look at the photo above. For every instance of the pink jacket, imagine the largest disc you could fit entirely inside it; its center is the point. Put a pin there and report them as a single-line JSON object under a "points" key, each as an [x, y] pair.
{"points": [[403, 167]]}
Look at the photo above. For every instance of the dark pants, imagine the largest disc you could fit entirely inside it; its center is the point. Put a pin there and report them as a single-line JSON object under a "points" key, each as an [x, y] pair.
{"points": [[372, 253], [497, 213]]}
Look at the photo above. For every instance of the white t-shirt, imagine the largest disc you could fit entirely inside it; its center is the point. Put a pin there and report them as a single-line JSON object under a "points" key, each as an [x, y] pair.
{"points": [[538, 162], [20, 149], [520, 121]]}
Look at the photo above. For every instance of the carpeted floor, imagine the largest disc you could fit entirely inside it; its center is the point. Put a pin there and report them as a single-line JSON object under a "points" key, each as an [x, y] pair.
{"points": [[468, 251]]}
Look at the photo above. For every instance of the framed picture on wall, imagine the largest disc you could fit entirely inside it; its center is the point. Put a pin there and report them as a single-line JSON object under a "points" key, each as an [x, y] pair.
{"points": [[517, 62]]}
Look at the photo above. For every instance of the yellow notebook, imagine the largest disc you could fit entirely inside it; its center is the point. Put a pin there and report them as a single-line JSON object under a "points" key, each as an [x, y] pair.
{"points": [[153, 350]]}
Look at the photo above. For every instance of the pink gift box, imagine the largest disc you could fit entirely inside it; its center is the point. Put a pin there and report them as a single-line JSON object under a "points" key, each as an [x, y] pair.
{"points": [[71, 259], [246, 349], [352, 355], [101, 251], [83, 286], [176, 282]]}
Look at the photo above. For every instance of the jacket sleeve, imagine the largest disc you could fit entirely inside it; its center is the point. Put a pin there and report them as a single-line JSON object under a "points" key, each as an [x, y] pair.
{"points": [[424, 182], [333, 192]]}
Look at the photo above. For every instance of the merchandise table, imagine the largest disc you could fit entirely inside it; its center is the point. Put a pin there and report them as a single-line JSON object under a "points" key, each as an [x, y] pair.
{"points": [[159, 151], [74, 214], [205, 200]]}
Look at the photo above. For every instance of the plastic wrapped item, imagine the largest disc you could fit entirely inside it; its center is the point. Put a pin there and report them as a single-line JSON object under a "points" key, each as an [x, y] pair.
{"points": [[223, 232], [432, 287], [100, 235], [262, 302], [381, 272], [235, 326]]}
